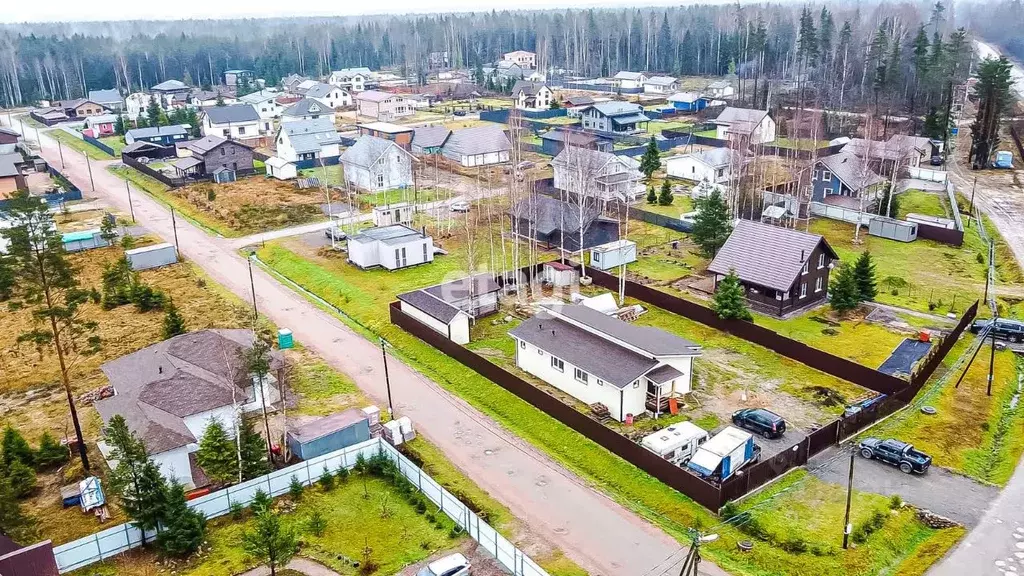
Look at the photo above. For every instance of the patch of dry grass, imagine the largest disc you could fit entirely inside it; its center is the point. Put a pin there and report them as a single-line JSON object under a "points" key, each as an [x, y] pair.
{"points": [[255, 204]]}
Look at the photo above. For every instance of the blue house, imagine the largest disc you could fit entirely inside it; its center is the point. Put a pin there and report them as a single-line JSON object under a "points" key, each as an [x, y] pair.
{"points": [[688, 101], [614, 117], [163, 135], [328, 434], [844, 175]]}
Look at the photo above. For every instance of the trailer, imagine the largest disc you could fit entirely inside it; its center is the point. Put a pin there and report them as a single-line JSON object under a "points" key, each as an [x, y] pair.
{"points": [[613, 254], [724, 454], [153, 256], [676, 443]]}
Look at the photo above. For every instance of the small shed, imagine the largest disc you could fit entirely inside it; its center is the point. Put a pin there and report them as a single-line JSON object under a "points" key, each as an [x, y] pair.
{"points": [[223, 175], [330, 433], [83, 240], [613, 254], [899, 230], [434, 312], [281, 169], [400, 213], [91, 491], [153, 256], [557, 274]]}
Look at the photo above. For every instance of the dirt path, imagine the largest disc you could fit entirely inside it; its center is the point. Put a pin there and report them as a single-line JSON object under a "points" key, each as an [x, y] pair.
{"points": [[306, 566], [552, 503]]}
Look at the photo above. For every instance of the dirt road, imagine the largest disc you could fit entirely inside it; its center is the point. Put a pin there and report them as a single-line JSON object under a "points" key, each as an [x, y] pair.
{"points": [[552, 503]]}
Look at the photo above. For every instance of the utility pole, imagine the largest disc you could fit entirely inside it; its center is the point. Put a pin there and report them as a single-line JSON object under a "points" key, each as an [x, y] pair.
{"points": [[992, 356], [60, 149], [174, 226], [89, 165], [971, 213], [387, 378], [847, 528], [252, 286], [131, 208], [691, 564]]}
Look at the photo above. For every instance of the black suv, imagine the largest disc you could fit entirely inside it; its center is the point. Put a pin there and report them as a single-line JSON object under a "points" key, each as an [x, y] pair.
{"points": [[760, 421], [1012, 330], [896, 453]]}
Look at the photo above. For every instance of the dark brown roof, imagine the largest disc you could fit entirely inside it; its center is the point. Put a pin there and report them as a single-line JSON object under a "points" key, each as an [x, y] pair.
{"points": [[766, 255]]}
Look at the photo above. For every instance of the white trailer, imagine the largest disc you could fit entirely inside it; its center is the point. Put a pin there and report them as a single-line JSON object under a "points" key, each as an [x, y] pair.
{"points": [[613, 254], [676, 443], [724, 454], [153, 256]]}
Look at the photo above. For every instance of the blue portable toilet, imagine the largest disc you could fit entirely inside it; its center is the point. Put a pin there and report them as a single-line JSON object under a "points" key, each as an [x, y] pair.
{"points": [[330, 433]]}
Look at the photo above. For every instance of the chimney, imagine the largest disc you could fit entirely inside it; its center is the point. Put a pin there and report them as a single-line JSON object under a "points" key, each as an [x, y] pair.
{"points": [[160, 369]]}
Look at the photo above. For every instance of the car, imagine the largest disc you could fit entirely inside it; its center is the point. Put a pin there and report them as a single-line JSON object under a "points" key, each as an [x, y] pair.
{"points": [[897, 453], [936, 160], [451, 565], [460, 206], [459, 113], [1005, 328], [334, 234], [760, 421]]}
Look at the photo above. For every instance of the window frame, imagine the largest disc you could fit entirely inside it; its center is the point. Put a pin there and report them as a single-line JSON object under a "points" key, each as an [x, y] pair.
{"points": [[803, 290], [821, 261], [826, 175], [581, 376], [557, 363], [819, 284]]}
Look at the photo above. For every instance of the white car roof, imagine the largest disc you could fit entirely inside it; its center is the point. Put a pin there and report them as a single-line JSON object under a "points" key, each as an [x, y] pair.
{"points": [[445, 564]]}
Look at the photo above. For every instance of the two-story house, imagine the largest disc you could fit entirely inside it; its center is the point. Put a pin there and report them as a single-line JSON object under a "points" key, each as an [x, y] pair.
{"points": [[661, 85], [80, 108], [330, 95], [630, 81], [109, 99], [532, 95], [212, 154], [307, 109], [601, 360], [522, 58], [845, 179], [265, 103], [749, 126], [781, 269], [376, 164], [238, 77], [352, 79], [614, 117], [308, 140], [171, 90], [716, 165], [602, 175], [237, 122], [720, 89], [383, 106]]}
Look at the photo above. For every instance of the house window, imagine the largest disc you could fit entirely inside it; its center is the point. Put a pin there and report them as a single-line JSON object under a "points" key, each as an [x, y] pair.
{"points": [[241, 130], [636, 384], [557, 364], [803, 290], [600, 382], [580, 375], [826, 176], [223, 151], [818, 284], [380, 180], [226, 132], [424, 251], [821, 260], [804, 271]]}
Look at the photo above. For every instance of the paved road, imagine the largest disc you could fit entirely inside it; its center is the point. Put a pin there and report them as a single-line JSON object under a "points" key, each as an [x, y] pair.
{"points": [[553, 504], [939, 490]]}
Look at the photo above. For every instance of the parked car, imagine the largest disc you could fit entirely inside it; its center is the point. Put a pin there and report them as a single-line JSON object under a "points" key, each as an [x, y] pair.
{"points": [[896, 453], [760, 421], [936, 160], [335, 233], [460, 206], [459, 113], [451, 565], [1012, 330]]}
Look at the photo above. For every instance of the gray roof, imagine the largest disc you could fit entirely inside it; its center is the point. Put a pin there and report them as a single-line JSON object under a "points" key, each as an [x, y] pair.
{"points": [[140, 145], [7, 164], [375, 96], [311, 135], [308, 107], [766, 255], [430, 305], [617, 108], [205, 144], [573, 137], [663, 374], [531, 88], [159, 385], [259, 97], [234, 113], [170, 85], [653, 341], [367, 150], [328, 424], [580, 100], [684, 97], [393, 234], [186, 163], [9, 131], [476, 285], [719, 84], [551, 214], [741, 119], [718, 157], [852, 170], [105, 96], [586, 161], [662, 80], [478, 140], [173, 130], [627, 75], [321, 90], [430, 136]]}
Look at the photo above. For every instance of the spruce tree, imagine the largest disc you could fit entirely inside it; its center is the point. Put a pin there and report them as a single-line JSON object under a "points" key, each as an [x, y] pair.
{"points": [[254, 451], [6, 278], [844, 292], [136, 479], [270, 542], [218, 454], [711, 224], [183, 528], [261, 502], [174, 324], [14, 523], [108, 228], [15, 449], [295, 488], [652, 196], [22, 478], [864, 272], [665, 198], [729, 301], [651, 160], [119, 128], [993, 92], [50, 454]]}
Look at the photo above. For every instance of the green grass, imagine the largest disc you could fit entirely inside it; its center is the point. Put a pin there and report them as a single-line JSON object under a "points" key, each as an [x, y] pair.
{"points": [[712, 133], [335, 174], [657, 126], [394, 196], [681, 204], [560, 121], [162, 193], [115, 142], [364, 296], [855, 339], [921, 202], [800, 143], [78, 144]]}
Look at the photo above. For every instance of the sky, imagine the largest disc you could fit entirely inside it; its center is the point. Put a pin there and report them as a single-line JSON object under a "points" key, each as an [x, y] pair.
{"points": [[76, 10]]}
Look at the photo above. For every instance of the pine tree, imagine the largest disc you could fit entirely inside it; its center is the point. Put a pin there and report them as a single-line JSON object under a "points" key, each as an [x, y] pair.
{"points": [[295, 488], [270, 541], [729, 301], [6, 278], [15, 449], [183, 528], [254, 451], [652, 196], [711, 224], [844, 292], [119, 128], [327, 480], [261, 502], [14, 523], [650, 162], [108, 228], [153, 111], [218, 455], [50, 454], [994, 99], [174, 324], [864, 272], [22, 478], [666, 198], [136, 479]]}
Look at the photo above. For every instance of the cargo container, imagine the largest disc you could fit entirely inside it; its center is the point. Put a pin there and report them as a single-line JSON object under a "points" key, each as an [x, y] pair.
{"points": [[724, 454]]}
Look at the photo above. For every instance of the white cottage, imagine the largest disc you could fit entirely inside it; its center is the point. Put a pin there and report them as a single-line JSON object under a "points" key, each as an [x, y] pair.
{"points": [[630, 80], [478, 146], [308, 140], [330, 95], [715, 165], [391, 247], [265, 103], [376, 164], [599, 359]]}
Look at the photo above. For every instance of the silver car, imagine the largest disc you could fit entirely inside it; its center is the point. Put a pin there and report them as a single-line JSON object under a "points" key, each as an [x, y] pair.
{"points": [[452, 565], [460, 206]]}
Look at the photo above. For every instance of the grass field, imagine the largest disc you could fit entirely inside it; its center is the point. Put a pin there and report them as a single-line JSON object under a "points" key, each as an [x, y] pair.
{"points": [[560, 121], [800, 143], [394, 196], [115, 142], [707, 133], [921, 202], [78, 144], [681, 204], [335, 174], [657, 126]]}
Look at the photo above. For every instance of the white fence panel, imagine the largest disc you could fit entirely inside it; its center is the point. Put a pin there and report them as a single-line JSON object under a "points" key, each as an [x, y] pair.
{"points": [[927, 174], [951, 196], [505, 552], [842, 214]]}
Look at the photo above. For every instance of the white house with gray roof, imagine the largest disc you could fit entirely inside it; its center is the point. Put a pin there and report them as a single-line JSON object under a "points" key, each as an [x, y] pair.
{"points": [[236, 122], [352, 79], [661, 85], [376, 164], [630, 80], [330, 95], [308, 140], [600, 174], [307, 109], [752, 126], [478, 146], [390, 247], [265, 103], [716, 165], [599, 359], [168, 393], [614, 117], [110, 99]]}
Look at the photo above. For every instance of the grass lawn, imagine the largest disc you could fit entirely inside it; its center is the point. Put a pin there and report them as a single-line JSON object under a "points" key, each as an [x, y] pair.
{"points": [[364, 297], [800, 143], [460, 123], [78, 144], [657, 126], [115, 142], [495, 102], [335, 174], [559, 121], [681, 204], [921, 202], [405, 195], [361, 512], [713, 133]]}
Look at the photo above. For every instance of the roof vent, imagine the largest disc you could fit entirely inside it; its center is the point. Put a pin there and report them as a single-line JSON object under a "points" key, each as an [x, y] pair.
{"points": [[160, 369]]}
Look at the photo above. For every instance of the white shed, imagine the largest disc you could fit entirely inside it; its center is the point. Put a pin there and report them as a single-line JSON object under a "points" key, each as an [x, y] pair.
{"points": [[281, 169], [153, 256], [392, 247], [613, 254], [437, 314], [400, 213], [558, 274]]}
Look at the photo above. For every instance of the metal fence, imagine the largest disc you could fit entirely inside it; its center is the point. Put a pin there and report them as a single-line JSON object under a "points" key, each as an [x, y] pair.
{"points": [[98, 144], [118, 539]]}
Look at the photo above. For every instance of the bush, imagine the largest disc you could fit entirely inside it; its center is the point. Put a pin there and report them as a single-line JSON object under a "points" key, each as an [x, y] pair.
{"points": [[211, 194], [146, 298], [237, 511], [317, 524], [295, 488], [50, 454], [455, 532], [431, 517], [341, 474], [261, 502], [795, 545], [981, 258], [327, 480], [873, 524], [421, 507], [360, 465], [22, 478], [895, 502]]}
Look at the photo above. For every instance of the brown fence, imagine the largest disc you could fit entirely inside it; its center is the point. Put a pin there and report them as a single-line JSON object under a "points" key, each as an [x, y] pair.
{"points": [[34, 560], [704, 493], [177, 182], [940, 234], [927, 366], [1015, 136]]}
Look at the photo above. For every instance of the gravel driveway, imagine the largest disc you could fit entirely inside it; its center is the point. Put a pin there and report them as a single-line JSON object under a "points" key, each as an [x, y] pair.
{"points": [[939, 490]]}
